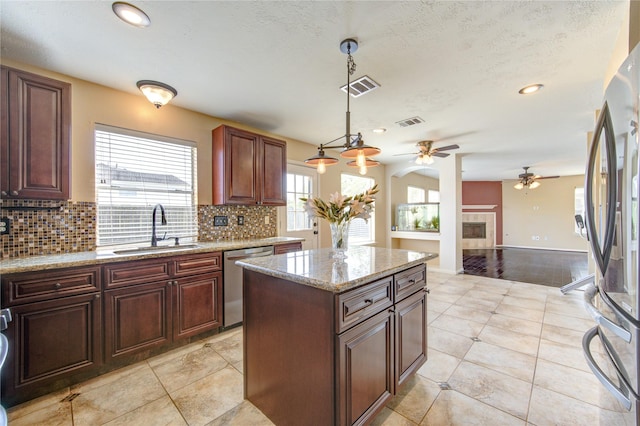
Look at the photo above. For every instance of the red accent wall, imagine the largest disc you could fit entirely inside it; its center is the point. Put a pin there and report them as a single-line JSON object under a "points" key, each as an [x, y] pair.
{"points": [[483, 193]]}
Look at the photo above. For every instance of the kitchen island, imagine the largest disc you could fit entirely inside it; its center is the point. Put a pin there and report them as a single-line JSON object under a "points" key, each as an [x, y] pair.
{"points": [[329, 341]]}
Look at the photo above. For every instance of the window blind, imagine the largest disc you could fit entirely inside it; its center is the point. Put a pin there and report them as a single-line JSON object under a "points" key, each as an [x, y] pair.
{"points": [[359, 230], [135, 172]]}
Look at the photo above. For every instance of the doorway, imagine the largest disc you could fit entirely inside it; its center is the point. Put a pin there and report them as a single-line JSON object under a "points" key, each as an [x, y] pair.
{"points": [[293, 221]]}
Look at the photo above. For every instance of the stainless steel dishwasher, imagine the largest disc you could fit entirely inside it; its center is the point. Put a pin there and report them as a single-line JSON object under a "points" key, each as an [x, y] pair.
{"points": [[233, 282]]}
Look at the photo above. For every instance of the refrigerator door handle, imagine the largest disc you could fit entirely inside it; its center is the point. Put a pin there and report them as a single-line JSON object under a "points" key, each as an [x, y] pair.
{"points": [[621, 332], [618, 392], [602, 253]]}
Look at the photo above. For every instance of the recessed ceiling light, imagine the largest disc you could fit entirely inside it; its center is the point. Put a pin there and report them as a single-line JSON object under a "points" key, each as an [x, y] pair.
{"points": [[379, 130], [532, 88], [131, 14]]}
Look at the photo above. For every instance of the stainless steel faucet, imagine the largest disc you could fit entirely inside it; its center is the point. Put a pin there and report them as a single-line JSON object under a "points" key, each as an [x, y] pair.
{"points": [[163, 220]]}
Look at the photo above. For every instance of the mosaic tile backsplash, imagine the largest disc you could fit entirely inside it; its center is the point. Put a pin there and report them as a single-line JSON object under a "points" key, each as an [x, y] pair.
{"points": [[56, 227], [255, 225], [47, 227]]}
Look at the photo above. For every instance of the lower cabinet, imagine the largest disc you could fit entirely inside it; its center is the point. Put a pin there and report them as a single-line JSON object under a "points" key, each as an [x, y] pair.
{"points": [[198, 305], [411, 335], [49, 343], [287, 247]]}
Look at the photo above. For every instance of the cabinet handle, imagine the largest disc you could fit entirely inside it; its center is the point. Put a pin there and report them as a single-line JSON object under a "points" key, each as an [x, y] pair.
{"points": [[14, 193], [426, 290], [392, 310], [169, 283], [97, 296], [368, 301], [4, 193], [412, 281], [58, 286]]}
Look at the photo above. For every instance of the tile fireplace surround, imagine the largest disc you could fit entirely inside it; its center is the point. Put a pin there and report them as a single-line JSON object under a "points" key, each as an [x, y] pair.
{"points": [[500, 353], [489, 219]]}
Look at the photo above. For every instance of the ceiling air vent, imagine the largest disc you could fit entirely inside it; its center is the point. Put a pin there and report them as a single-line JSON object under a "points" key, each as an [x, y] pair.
{"points": [[360, 86], [410, 121]]}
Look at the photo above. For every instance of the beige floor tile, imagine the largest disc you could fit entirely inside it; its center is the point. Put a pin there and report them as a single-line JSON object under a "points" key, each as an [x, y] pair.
{"points": [[457, 325], [439, 366], [468, 313], [444, 297], [112, 377], [516, 325], [45, 401], [520, 312], [524, 302], [229, 348], [389, 417], [521, 292], [435, 305], [449, 343], [515, 364], [243, 414], [98, 404], [491, 285], [190, 367], [176, 353], [481, 304], [481, 294], [568, 355], [578, 324], [563, 335], [574, 383], [159, 412], [568, 309], [415, 398], [510, 340], [551, 408], [452, 408], [204, 401], [493, 388], [58, 414], [452, 288]]}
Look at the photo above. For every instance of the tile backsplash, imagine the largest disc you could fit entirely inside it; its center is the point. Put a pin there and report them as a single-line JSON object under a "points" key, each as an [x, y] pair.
{"points": [[56, 227], [47, 227]]}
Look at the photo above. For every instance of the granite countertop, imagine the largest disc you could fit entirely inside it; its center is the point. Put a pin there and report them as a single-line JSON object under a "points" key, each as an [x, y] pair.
{"points": [[318, 269], [39, 263]]}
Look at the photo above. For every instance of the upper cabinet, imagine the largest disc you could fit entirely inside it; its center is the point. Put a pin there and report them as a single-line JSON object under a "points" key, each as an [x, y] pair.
{"points": [[248, 168], [36, 136]]}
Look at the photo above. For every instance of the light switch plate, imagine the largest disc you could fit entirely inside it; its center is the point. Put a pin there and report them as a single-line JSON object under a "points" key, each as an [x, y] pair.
{"points": [[240, 220], [220, 221]]}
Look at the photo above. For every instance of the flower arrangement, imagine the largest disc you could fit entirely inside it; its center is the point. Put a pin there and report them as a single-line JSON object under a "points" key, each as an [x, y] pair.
{"points": [[342, 209]]}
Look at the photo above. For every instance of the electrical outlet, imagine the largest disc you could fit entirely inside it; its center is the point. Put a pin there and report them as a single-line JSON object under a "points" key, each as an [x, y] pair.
{"points": [[5, 226], [240, 220], [220, 221], [266, 220]]}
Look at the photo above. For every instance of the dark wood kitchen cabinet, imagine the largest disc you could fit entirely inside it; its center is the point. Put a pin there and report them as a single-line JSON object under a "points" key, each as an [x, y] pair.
{"points": [[55, 337], [287, 247], [35, 143], [248, 168], [346, 353], [152, 303]]}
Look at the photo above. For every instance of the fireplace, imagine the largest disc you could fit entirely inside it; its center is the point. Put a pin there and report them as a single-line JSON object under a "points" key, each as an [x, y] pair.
{"points": [[474, 230]]}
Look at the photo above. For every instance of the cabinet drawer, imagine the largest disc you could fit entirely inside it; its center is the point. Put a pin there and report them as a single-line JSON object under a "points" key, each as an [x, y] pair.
{"points": [[409, 281], [357, 305], [45, 285], [287, 248], [136, 272], [197, 264]]}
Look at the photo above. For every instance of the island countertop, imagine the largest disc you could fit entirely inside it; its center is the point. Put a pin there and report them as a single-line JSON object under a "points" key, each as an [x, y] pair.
{"points": [[317, 268]]}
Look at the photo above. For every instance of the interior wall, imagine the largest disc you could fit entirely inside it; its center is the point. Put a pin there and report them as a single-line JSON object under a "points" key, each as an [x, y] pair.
{"points": [[484, 193], [542, 217], [92, 103], [399, 188]]}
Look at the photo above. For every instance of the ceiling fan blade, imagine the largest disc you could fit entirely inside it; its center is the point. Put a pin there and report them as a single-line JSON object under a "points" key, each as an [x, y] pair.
{"points": [[448, 147], [546, 177], [407, 153], [439, 154]]}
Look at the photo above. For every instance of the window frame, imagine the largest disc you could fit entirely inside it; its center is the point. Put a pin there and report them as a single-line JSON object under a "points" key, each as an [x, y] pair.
{"points": [[371, 224]]}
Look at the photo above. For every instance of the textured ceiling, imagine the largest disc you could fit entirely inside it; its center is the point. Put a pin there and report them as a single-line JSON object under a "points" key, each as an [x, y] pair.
{"points": [[277, 66]]}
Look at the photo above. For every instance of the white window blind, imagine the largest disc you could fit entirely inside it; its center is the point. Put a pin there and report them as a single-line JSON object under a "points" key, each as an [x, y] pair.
{"points": [[359, 231], [415, 194], [136, 171]]}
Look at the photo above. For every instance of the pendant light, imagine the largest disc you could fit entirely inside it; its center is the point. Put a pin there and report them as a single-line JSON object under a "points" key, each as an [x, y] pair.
{"points": [[354, 146]]}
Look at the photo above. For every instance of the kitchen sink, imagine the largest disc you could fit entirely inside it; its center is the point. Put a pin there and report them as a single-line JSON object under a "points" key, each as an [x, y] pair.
{"points": [[149, 249]]}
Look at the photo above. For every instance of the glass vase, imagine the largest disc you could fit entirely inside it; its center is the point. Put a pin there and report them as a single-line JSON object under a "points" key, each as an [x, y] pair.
{"points": [[339, 239]]}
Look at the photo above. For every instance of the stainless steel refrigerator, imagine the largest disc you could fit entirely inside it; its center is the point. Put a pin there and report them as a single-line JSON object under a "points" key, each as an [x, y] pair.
{"points": [[611, 211]]}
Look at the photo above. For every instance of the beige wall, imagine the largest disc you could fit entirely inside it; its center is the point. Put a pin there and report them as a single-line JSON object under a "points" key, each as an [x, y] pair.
{"points": [[399, 188], [93, 103], [546, 212]]}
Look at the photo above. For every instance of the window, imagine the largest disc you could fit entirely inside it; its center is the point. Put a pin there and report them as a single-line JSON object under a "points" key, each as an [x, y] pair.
{"points": [[134, 172], [415, 194], [298, 186], [434, 196], [360, 232]]}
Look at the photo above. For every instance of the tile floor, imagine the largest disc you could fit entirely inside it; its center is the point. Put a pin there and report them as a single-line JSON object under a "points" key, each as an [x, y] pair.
{"points": [[507, 353], [547, 267]]}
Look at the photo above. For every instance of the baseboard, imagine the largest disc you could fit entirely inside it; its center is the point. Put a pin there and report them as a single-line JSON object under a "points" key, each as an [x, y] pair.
{"points": [[540, 248]]}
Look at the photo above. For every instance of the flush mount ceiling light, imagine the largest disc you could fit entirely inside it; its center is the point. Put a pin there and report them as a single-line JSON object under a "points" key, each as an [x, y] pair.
{"points": [[354, 146], [158, 93], [379, 130], [532, 88], [131, 14]]}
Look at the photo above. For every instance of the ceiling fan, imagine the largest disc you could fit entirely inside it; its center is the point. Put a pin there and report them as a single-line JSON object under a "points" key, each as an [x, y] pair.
{"points": [[426, 152], [529, 180]]}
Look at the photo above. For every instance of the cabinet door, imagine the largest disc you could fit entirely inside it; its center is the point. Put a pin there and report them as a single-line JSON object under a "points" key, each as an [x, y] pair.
{"points": [[137, 318], [39, 137], [49, 341], [274, 170], [365, 369], [235, 166], [198, 304], [411, 335], [287, 248]]}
